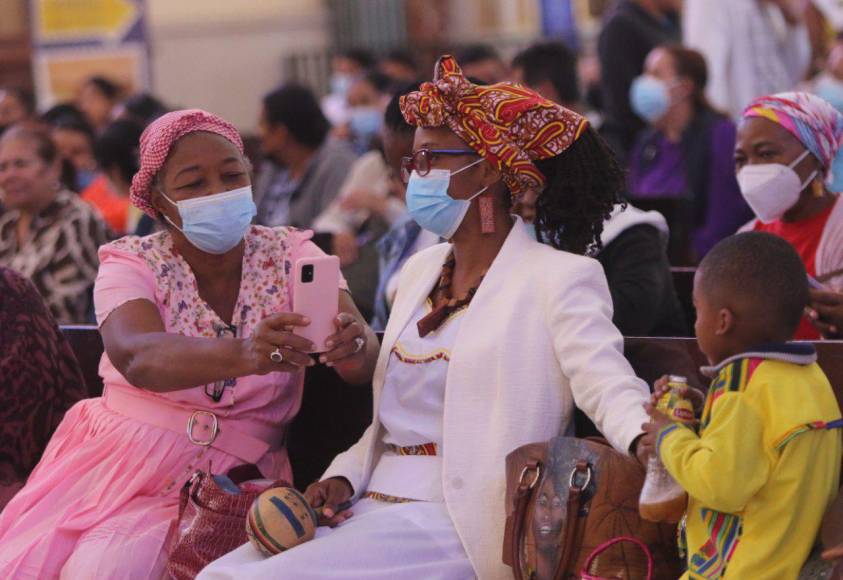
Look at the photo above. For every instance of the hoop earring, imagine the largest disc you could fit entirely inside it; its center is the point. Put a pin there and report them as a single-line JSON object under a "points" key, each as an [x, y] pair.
{"points": [[487, 214]]}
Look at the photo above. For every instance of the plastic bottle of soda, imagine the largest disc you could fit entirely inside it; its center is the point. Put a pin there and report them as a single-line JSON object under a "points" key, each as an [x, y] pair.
{"points": [[662, 499]]}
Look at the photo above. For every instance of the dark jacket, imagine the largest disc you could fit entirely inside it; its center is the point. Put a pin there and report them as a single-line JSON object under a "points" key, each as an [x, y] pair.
{"points": [[628, 36], [641, 284]]}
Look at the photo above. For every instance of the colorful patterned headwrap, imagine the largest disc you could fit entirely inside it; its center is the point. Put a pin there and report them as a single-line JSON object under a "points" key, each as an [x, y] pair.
{"points": [[509, 125], [817, 125], [158, 139]]}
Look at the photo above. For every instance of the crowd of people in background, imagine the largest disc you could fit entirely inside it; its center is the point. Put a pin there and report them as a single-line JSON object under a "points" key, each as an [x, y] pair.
{"points": [[688, 123], [668, 94]]}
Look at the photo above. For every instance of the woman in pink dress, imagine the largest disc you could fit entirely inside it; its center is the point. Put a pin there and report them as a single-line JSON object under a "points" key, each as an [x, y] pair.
{"points": [[200, 367]]}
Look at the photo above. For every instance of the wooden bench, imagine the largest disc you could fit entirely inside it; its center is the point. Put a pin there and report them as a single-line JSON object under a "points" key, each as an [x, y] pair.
{"points": [[683, 282], [334, 415]]}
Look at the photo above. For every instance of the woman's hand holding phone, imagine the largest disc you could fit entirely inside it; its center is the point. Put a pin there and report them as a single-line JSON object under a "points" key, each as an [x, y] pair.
{"points": [[826, 312], [347, 344], [273, 347]]}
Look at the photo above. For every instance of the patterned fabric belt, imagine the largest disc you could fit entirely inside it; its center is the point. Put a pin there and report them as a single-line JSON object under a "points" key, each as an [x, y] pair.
{"points": [[377, 496], [423, 449]]}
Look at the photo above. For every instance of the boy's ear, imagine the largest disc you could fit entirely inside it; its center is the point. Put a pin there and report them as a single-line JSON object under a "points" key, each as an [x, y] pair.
{"points": [[725, 322]]}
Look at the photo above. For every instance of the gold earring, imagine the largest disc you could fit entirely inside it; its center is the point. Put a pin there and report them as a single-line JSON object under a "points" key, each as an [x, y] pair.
{"points": [[817, 187]]}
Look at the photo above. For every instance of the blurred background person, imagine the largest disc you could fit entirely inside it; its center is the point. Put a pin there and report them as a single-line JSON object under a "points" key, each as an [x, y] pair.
{"points": [[549, 68], [367, 99], [632, 29], [304, 168], [346, 67], [829, 84], [97, 98], [683, 163], [74, 138], [405, 237], [47, 233], [40, 379], [116, 151], [16, 106], [752, 47], [482, 62], [142, 108]]}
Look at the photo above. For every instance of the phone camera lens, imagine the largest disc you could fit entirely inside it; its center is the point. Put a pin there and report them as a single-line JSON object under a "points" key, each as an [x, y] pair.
{"points": [[307, 274]]}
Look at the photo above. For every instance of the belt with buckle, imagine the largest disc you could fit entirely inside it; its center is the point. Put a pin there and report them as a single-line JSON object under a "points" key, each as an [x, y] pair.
{"points": [[249, 442]]}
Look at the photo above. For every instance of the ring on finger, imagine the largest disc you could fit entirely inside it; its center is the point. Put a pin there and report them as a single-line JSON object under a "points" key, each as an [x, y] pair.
{"points": [[276, 356], [359, 342]]}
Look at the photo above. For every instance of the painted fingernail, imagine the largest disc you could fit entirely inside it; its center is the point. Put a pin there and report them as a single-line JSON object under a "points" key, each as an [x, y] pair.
{"points": [[306, 320], [323, 360], [330, 364], [329, 343]]}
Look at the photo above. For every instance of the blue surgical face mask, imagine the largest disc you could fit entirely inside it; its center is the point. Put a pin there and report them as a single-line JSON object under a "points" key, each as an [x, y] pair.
{"points": [[649, 98], [830, 89], [84, 178], [216, 223], [430, 205], [340, 83], [365, 122]]}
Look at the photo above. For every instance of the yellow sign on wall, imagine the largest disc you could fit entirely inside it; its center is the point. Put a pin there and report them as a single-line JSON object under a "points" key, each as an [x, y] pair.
{"points": [[73, 20]]}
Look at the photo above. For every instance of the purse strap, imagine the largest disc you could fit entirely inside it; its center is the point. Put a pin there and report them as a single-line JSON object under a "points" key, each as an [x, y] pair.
{"points": [[586, 574], [581, 477], [523, 494]]}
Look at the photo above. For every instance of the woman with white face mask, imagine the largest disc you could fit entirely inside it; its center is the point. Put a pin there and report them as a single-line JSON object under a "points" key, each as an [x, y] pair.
{"points": [[789, 170], [682, 165], [200, 367]]}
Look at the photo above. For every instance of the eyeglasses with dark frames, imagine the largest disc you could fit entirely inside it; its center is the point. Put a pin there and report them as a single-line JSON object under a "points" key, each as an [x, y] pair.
{"points": [[421, 161]]}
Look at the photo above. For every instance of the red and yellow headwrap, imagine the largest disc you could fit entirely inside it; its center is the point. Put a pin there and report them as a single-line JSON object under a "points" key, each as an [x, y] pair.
{"points": [[507, 124]]}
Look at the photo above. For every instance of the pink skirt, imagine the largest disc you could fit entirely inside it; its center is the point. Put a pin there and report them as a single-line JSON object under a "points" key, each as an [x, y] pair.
{"points": [[100, 502]]}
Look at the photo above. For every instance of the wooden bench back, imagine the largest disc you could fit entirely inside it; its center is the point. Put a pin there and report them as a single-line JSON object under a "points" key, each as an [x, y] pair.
{"points": [[334, 415]]}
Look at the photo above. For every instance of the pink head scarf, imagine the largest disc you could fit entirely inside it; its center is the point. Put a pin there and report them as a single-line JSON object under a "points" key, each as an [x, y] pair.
{"points": [[158, 139]]}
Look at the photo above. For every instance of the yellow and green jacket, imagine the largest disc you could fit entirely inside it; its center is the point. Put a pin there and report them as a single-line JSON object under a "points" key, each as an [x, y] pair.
{"points": [[763, 467]]}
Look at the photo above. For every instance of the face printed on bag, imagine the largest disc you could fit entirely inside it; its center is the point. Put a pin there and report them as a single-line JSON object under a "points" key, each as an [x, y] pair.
{"points": [[549, 513]]}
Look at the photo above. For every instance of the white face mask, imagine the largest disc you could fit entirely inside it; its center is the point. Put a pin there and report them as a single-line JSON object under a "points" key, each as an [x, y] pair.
{"points": [[771, 189]]}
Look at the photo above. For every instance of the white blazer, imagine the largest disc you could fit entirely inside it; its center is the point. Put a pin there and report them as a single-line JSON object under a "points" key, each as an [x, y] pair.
{"points": [[537, 339]]}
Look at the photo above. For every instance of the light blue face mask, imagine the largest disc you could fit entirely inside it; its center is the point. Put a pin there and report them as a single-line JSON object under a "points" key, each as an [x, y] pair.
{"points": [[216, 223], [830, 90], [365, 121], [649, 98], [430, 205], [340, 83]]}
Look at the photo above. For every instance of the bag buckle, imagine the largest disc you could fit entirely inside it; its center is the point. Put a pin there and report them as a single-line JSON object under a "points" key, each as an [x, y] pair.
{"points": [[522, 478], [193, 421], [579, 470]]}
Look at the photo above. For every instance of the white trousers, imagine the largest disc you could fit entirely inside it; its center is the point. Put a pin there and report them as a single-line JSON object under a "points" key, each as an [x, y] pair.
{"points": [[380, 541]]}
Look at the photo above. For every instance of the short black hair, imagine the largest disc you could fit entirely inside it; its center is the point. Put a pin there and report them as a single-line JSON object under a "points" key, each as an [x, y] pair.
{"points": [[361, 56], [476, 53], [550, 61], [118, 147], [77, 125], [379, 80], [401, 56], [144, 108], [295, 106], [23, 96], [392, 118], [109, 89], [763, 270], [63, 112]]}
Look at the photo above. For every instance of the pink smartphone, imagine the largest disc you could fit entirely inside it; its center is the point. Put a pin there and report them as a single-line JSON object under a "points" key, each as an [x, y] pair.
{"points": [[316, 294]]}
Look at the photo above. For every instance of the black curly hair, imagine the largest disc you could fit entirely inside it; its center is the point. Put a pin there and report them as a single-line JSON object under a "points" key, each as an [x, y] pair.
{"points": [[584, 183]]}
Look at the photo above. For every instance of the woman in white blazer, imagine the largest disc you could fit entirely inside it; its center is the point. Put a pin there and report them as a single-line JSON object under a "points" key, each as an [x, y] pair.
{"points": [[492, 341]]}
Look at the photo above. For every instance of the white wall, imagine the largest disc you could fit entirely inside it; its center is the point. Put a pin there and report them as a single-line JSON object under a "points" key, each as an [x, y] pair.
{"points": [[223, 55]]}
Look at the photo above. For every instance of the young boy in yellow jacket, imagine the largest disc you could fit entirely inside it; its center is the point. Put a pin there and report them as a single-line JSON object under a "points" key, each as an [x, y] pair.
{"points": [[764, 463]]}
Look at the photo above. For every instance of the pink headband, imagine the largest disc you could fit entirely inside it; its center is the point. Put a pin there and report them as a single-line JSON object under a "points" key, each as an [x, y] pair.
{"points": [[158, 139]]}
